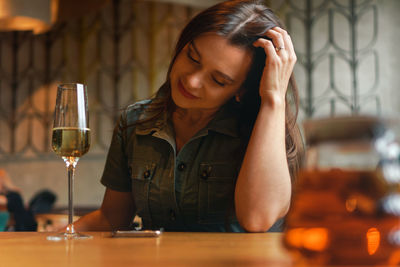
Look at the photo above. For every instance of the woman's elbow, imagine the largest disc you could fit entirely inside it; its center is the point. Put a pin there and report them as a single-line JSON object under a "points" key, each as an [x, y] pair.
{"points": [[258, 223]]}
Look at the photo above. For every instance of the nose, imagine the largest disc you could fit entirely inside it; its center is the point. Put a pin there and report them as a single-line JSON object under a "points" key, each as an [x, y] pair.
{"points": [[194, 80]]}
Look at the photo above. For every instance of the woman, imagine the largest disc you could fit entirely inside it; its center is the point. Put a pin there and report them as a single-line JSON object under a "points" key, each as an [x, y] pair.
{"points": [[216, 148]]}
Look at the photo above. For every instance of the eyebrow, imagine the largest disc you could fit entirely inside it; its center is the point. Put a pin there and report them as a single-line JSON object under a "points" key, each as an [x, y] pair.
{"points": [[225, 76]]}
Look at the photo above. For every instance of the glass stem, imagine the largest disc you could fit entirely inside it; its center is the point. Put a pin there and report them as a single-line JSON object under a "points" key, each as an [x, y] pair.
{"points": [[71, 164]]}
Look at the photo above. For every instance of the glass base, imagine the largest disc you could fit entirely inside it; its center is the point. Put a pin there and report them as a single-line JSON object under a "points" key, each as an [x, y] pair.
{"points": [[68, 236]]}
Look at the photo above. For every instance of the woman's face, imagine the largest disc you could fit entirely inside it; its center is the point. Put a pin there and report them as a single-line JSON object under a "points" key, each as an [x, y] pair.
{"points": [[208, 72]]}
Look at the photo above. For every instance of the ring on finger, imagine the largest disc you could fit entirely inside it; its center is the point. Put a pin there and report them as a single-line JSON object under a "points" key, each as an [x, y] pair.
{"points": [[279, 48]]}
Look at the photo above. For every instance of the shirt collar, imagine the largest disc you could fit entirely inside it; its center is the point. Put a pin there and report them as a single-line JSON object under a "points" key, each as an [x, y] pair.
{"points": [[150, 126], [224, 122]]}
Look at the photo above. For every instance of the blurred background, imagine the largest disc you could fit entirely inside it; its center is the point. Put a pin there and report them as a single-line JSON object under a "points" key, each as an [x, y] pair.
{"points": [[348, 62]]}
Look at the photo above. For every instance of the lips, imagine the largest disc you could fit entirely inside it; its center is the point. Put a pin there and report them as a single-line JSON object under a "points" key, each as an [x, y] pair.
{"points": [[184, 92]]}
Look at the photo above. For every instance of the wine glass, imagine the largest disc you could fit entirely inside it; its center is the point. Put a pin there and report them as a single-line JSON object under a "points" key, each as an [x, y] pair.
{"points": [[71, 140]]}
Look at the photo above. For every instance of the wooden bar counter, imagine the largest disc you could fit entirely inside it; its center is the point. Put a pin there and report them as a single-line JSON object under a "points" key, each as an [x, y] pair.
{"points": [[170, 249]]}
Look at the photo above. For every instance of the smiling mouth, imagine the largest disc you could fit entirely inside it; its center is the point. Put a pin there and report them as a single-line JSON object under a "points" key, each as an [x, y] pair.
{"points": [[184, 92]]}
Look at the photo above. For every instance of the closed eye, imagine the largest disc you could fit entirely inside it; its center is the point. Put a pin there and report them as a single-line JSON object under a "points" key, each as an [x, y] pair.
{"points": [[218, 82], [194, 55], [190, 56]]}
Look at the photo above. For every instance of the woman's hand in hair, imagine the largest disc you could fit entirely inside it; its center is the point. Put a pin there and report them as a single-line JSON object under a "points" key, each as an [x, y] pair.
{"points": [[279, 65]]}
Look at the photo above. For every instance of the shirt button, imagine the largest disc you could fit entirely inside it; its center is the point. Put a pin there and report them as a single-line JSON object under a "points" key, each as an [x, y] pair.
{"points": [[146, 174], [204, 175], [182, 166], [172, 215]]}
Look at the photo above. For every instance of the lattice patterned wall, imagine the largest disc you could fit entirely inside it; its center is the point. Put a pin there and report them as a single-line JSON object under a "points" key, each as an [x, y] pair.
{"points": [[122, 53], [338, 66]]}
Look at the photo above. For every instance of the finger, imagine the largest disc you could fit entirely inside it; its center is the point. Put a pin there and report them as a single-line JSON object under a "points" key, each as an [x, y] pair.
{"points": [[276, 38], [286, 39], [268, 47]]}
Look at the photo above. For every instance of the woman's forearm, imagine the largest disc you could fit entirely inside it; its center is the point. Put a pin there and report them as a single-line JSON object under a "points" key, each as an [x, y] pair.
{"points": [[117, 212], [263, 188], [94, 221]]}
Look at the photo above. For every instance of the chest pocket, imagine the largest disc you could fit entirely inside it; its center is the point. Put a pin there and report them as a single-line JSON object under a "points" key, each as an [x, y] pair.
{"points": [[142, 173], [216, 192]]}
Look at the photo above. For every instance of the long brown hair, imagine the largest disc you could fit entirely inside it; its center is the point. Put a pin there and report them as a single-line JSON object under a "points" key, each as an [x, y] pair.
{"points": [[242, 22]]}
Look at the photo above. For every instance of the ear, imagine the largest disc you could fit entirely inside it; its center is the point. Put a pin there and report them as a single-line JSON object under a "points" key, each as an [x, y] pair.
{"points": [[237, 98], [239, 95]]}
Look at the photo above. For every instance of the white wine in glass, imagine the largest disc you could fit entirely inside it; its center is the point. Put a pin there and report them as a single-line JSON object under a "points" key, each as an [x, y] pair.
{"points": [[71, 140]]}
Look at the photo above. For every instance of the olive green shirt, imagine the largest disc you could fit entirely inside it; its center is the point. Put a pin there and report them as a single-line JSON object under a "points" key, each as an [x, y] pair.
{"points": [[192, 190]]}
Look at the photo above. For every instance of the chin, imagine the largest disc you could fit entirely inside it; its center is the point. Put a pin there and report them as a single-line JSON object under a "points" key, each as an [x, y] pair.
{"points": [[177, 99]]}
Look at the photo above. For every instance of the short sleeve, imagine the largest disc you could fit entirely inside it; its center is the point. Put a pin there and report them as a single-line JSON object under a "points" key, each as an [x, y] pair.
{"points": [[116, 171]]}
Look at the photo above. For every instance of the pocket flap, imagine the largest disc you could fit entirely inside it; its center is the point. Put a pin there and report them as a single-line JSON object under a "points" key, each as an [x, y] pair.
{"points": [[142, 169], [217, 170]]}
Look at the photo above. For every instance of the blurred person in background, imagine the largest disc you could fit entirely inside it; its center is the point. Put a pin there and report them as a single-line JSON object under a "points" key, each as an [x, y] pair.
{"points": [[15, 217]]}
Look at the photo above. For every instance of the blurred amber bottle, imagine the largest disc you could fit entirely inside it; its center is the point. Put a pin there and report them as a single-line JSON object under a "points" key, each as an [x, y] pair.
{"points": [[346, 201]]}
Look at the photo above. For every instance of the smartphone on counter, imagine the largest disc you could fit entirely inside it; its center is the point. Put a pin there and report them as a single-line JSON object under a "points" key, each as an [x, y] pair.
{"points": [[137, 233]]}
